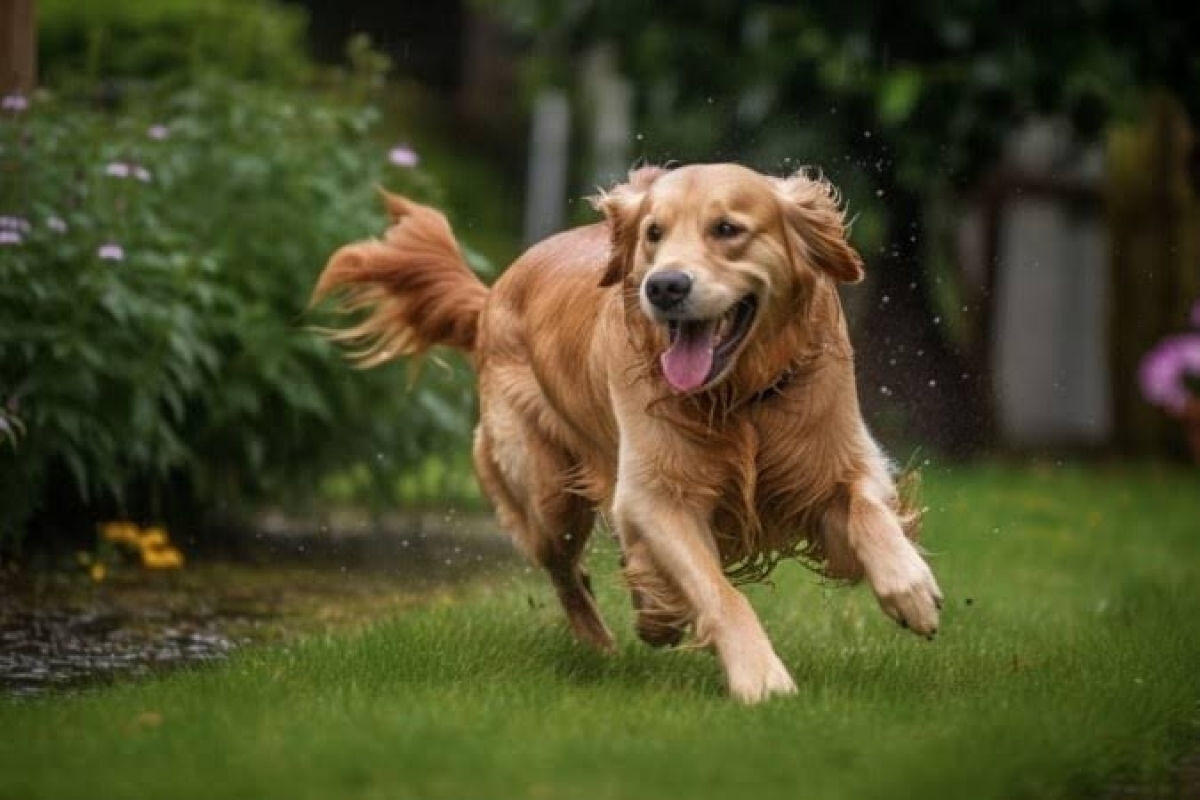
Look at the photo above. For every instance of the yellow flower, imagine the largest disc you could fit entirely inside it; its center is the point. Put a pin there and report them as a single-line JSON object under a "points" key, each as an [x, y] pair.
{"points": [[153, 538], [153, 544], [120, 533], [165, 557], [98, 571]]}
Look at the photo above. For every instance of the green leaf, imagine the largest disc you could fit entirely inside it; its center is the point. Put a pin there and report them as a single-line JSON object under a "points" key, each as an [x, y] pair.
{"points": [[899, 92]]}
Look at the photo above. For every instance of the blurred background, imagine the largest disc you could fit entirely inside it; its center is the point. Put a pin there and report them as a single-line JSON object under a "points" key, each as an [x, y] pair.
{"points": [[1022, 176]]}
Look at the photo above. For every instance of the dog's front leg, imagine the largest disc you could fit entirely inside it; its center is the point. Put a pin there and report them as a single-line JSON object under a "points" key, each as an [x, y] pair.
{"points": [[900, 578], [682, 548]]}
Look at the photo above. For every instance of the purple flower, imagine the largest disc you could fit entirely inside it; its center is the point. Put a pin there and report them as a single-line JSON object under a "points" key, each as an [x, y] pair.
{"points": [[9, 237], [16, 103], [127, 169], [18, 224], [1165, 370], [403, 156], [111, 251], [158, 132]]}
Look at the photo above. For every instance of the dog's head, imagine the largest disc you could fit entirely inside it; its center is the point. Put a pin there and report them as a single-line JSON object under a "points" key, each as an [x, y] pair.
{"points": [[719, 255]]}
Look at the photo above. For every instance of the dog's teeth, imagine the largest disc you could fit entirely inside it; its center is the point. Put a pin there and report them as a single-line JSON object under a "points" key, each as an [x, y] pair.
{"points": [[724, 324]]}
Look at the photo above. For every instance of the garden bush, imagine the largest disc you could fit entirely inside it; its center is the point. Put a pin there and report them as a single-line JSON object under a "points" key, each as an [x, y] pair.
{"points": [[136, 40], [156, 261]]}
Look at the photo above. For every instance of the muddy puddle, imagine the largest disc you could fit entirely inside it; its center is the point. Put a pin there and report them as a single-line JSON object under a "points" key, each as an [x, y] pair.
{"points": [[61, 630]]}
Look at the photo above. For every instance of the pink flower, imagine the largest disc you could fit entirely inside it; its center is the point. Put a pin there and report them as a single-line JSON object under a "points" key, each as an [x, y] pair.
{"points": [[1165, 370], [9, 237], [403, 156], [111, 251], [158, 132], [117, 169]]}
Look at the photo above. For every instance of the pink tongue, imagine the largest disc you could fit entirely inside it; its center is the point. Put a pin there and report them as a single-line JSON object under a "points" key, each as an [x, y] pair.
{"points": [[689, 359]]}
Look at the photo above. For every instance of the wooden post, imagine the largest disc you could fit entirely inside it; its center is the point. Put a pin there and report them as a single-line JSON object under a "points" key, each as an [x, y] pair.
{"points": [[18, 47], [1154, 219], [548, 170]]}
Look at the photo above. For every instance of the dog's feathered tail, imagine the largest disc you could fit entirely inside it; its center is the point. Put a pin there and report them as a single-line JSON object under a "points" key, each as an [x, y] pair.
{"points": [[414, 285]]}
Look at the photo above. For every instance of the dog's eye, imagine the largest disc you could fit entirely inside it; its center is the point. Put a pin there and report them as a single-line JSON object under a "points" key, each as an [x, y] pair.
{"points": [[724, 229], [653, 232]]}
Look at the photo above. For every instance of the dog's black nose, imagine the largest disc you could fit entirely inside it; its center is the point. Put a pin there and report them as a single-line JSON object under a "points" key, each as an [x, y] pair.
{"points": [[668, 288]]}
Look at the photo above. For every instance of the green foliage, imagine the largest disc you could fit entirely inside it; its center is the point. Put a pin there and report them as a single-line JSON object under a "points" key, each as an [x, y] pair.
{"points": [[154, 330], [931, 87], [141, 39]]}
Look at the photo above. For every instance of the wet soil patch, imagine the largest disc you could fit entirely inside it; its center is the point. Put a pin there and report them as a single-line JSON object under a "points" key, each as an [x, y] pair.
{"points": [[62, 630]]}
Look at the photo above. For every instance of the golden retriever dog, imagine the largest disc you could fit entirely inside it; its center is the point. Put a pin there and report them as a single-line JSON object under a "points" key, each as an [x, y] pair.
{"points": [[682, 367]]}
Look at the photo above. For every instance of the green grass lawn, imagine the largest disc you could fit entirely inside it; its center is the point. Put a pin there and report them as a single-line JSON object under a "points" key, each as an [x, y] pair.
{"points": [[1068, 664]]}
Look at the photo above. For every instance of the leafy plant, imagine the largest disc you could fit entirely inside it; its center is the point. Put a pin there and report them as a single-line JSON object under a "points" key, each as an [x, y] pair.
{"points": [[117, 40], [154, 285]]}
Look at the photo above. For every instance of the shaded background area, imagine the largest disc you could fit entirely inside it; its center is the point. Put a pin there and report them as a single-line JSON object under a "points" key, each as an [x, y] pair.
{"points": [[1023, 180]]}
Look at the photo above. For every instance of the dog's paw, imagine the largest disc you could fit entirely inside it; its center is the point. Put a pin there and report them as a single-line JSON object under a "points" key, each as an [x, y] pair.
{"points": [[908, 592], [754, 683]]}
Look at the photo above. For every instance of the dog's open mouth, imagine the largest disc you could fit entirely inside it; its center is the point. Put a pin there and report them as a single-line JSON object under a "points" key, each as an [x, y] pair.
{"points": [[702, 350]]}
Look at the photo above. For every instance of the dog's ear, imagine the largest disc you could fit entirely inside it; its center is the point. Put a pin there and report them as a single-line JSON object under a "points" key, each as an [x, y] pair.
{"points": [[621, 206], [815, 223]]}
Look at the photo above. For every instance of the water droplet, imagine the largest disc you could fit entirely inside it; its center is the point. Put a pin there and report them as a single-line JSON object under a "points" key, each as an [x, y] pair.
{"points": [[932, 383], [885, 299], [879, 192]]}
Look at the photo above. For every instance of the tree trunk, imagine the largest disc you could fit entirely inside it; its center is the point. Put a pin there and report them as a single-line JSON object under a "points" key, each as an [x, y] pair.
{"points": [[18, 47]]}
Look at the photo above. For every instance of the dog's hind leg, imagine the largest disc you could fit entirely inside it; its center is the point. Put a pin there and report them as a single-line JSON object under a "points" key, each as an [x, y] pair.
{"points": [[571, 580], [548, 523], [662, 614]]}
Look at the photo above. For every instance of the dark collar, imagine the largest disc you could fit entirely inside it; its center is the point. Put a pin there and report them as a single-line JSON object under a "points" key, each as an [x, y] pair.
{"points": [[775, 387]]}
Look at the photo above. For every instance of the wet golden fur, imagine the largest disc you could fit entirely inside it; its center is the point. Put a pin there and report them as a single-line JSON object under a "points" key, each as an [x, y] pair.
{"points": [[772, 460]]}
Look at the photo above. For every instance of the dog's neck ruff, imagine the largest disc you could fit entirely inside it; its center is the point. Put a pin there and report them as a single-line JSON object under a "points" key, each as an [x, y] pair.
{"points": [[798, 368], [776, 387]]}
